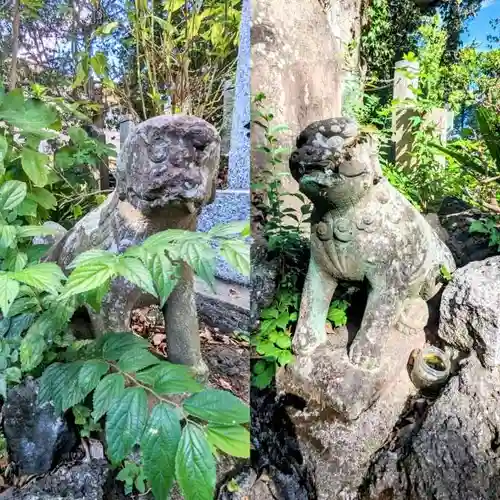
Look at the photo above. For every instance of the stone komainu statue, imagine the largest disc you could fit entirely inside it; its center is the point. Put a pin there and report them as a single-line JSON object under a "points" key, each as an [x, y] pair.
{"points": [[362, 228], [166, 172]]}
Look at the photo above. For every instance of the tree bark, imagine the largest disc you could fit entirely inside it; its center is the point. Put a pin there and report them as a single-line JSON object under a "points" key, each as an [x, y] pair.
{"points": [[16, 24]]}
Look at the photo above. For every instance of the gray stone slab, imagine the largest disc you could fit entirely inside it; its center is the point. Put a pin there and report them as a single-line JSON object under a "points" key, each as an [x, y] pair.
{"points": [[228, 309]]}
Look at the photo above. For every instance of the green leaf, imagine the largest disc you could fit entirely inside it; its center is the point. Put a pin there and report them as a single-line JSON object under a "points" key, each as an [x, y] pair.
{"points": [[12, 194], [125, 423], [137, 273], [337, 316], [283, 341], [94, 256], [77, 135], [195, 465], [167, 378], [23, 304], [201, 258], [108, 390], [90, 374], [94, 297], [228, 229], [31, 351], [30, 231], [165, 276], [28, 208], [87, 277], [478, 226], [31, 116], [159, 446], [135, 360], [15, 260], [9, 289], [53, 385], [217, 406], [285, 357], [35, 166], [43, 197], [237, 254], [115, 345], [13, 374], [233, 440], [107, 28], [46, 276], [7, 236]]}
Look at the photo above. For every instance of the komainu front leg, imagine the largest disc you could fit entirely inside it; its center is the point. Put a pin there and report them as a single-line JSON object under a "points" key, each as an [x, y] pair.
{"points": [[380, 316], [316, 297], [181, 325]]}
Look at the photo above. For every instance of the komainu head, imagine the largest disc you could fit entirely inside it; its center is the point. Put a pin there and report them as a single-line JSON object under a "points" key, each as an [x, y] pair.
{"points": [[335, 164], [168, 161]]}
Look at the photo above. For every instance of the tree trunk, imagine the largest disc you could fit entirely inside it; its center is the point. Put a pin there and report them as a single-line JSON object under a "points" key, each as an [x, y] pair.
{"points": [[16, 24]]}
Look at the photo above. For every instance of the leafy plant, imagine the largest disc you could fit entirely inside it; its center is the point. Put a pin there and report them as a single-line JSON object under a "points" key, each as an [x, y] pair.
{"points": [[124, 378], [132, 475], [490, 227], [83, 419]]}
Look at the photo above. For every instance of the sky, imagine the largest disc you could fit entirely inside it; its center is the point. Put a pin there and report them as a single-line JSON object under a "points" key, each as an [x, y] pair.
{"points": [[479, 27]]}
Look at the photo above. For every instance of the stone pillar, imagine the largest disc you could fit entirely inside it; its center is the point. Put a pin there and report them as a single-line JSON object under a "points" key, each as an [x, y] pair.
{"points": [[405, 84], [239, 153]]}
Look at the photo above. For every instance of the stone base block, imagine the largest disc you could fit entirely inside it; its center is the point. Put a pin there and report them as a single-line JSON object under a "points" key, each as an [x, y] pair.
{"points": [[349, 412], [227, 309]]}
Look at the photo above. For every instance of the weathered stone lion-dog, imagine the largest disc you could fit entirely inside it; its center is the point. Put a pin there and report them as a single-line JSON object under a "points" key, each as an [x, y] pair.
{"points": [[362, 228], [166, 172]]}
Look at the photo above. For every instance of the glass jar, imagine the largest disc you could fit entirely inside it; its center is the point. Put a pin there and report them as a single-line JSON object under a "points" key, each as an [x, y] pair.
{"points": [[431, 368]]}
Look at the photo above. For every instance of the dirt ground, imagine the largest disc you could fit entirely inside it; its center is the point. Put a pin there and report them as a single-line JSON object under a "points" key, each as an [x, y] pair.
{"points": [[227, 356]]}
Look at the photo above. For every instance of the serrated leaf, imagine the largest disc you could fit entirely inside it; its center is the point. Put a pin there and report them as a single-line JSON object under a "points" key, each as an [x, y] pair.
{"points": [[135, 360], [92, 257], [115, 345], [35, 166], [165, 276], [9, 289], [237, 254], [137, 273], [159, 447], [125, 423], [24, 304], [46, 276], [90, 374], [217, 406], [19, 324], [195, 465], [87, 277], [167, 378], [12, 194], [31, 351], [108, 390], [233, 440], [7, 235], [201, 258], [73, 393], [52, 385], [225, 230], [13, 374]]}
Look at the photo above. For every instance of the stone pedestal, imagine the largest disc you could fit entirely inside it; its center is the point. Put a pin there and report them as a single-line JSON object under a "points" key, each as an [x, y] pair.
{"points": [[349, 412]]}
